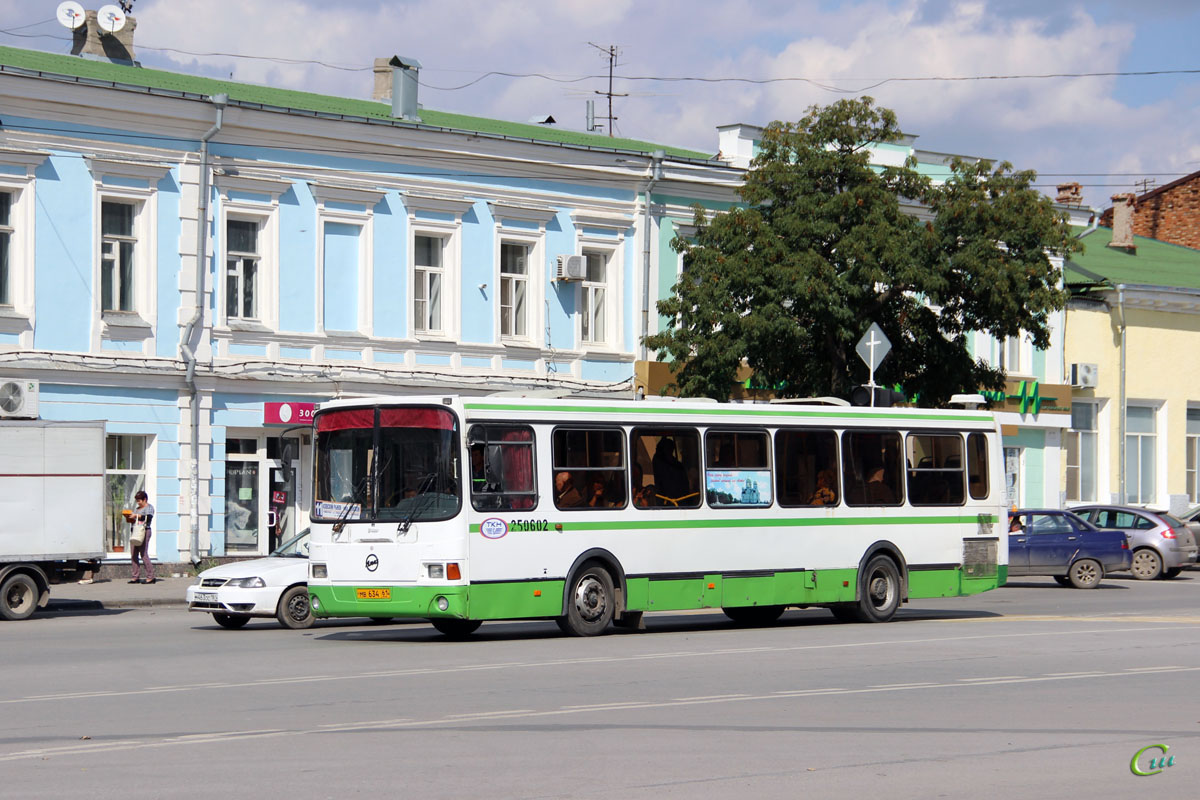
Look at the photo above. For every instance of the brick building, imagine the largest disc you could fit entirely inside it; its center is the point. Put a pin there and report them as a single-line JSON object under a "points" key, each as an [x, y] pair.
{"points": [[1170, 213]]}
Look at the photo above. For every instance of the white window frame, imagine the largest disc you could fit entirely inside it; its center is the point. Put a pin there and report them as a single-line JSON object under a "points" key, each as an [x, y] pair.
{"points": [[1080, 437], [616, 227], [609, 286], [451, 286], [450, 231], [1134, 495], [147, 473], [16, 316], [112, 265], [266, 214], [1191, 459], [534, 280], [125, 324]]}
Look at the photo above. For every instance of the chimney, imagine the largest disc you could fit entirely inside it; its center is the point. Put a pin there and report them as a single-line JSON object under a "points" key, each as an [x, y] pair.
{"points": [[95, 42], [1122, 222], [1070, 194], [396, 78]]}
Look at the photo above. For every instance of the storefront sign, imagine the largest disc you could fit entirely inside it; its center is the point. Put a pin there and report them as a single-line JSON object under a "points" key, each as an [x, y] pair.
{"points": [[288, 413], [1031, 397]]}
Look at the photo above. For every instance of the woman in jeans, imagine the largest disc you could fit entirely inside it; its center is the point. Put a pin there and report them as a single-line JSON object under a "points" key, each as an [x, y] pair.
{"points": [[144, 513]]}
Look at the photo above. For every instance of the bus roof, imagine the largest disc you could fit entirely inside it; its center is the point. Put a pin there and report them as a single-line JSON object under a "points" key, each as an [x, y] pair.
{"points": [[673, 411]]}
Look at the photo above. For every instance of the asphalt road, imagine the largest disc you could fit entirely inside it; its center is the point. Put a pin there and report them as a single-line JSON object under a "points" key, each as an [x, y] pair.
{"points": [[1029, 691]]}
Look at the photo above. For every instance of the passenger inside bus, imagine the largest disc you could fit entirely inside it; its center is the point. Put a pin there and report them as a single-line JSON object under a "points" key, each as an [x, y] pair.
{"points": [[670, 476], [565, 493]]}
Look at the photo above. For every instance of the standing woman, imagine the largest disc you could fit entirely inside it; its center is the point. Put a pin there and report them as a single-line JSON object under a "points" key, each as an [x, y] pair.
{"points": [[142, 515]]}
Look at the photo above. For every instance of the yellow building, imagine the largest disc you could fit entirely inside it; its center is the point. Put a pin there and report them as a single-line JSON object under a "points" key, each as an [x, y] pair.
{"points": [[1132, 348]]}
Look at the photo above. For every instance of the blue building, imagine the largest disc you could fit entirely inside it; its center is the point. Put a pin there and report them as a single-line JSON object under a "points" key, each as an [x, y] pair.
{"points": [[198, 261]]}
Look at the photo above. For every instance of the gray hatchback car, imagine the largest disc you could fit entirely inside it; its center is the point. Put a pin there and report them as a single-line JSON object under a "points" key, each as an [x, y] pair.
{"points": [[1162, 545]]}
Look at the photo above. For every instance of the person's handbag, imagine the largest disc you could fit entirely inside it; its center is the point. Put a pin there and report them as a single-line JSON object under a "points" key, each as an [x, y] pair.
{"points": [[138, 534]]}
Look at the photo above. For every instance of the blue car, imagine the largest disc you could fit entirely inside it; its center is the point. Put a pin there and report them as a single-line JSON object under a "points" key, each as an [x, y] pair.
{"points": [[1061, 544]]}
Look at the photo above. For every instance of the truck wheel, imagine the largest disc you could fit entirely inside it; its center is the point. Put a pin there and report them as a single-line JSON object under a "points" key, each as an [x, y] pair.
{"points": [[18, 597]]}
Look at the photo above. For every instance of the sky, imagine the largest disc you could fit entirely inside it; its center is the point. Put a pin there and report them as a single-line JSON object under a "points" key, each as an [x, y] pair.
{"points": [[772, 59]]}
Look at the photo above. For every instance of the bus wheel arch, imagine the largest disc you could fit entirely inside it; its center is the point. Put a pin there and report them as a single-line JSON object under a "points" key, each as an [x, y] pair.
{"points": [[593, 595]]}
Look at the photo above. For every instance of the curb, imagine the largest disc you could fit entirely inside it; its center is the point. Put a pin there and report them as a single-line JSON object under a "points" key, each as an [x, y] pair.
{"points": [[68, 604]]}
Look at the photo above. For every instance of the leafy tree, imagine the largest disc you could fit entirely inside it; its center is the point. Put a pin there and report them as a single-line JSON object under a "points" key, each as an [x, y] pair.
{"points": [[826, 244]]}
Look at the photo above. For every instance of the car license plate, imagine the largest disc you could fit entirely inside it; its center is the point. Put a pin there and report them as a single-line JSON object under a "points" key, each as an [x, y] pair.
{"points": [[206, 597], [374, 594]]}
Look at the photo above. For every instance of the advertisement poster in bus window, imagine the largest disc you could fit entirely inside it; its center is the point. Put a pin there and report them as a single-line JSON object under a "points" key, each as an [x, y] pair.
{"points": [[739, 487]]}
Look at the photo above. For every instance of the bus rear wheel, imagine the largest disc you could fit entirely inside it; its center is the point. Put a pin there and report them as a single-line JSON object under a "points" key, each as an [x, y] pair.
{"points": [[753, 615], [455, 628], [878, 593], [590, 603]]}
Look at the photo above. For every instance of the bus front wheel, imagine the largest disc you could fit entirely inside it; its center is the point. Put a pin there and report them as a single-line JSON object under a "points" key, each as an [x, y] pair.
{"points": [[590, 604]]}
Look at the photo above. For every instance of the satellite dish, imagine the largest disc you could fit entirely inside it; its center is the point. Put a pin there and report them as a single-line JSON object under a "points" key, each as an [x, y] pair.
{"points": [[111, 18], [69, 14]]}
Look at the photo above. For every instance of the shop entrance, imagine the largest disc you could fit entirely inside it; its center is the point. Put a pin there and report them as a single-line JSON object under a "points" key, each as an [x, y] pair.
{"points": [[263, 506]]}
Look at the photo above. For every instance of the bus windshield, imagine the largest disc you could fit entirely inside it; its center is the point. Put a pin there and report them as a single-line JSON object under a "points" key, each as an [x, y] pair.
{"points": [[390, 464]]}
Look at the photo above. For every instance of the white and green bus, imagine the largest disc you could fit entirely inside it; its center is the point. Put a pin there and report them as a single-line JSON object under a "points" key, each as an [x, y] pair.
{"points": [[461, 510]]}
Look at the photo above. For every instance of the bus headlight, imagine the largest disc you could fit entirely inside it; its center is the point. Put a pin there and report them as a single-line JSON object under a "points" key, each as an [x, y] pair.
{"points": [[436, 571], [319, 571]]}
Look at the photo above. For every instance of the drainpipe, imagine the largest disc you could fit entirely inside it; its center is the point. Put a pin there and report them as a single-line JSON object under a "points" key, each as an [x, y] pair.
{"points": [[185, 344], [1121, 422], [656, 159]]}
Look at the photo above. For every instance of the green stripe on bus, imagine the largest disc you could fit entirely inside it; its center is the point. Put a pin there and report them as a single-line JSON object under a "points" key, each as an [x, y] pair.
{"points": [[739, 411], [543, 599], [650, 524]]}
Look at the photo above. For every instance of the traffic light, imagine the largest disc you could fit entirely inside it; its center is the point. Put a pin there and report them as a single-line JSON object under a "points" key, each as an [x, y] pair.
{"points": [[884, 397]]}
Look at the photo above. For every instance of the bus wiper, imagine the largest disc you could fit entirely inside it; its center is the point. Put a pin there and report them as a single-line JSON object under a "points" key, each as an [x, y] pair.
{"points": [[354, 495], [422, 501]]}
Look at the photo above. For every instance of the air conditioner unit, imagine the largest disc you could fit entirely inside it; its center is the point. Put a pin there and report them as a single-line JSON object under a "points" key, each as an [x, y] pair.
{"points": [[571, 268], [18, 399], [1084, 375]]}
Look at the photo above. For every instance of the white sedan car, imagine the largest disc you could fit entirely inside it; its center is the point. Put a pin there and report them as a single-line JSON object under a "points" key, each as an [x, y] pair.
{"points": [[275, 586]]}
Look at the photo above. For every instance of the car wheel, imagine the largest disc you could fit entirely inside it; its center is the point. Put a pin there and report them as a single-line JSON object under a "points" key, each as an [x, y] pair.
{"points": [[455, 628], [591, 603], [294, 611], [753, 615], [1086, 574], [18, 597], [1147, 564], [231, 621], [1173, 572], [1062, 580]]}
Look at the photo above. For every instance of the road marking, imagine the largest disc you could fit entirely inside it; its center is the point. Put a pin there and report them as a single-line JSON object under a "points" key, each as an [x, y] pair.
{"points": [[993, 678], [566, 662], [220, 737]]}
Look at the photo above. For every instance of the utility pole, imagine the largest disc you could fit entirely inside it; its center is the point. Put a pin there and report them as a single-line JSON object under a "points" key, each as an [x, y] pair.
{"points": [[611, 52]]}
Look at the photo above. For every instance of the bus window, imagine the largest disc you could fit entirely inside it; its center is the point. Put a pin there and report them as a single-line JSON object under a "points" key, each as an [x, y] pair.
{"points": [[977, 471], [806, 467], [872, 468], [665, 467], [737, 471], [589, 468], [935, 469], [502, 467]]}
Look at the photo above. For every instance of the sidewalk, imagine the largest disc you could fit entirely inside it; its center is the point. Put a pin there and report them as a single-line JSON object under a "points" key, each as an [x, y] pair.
{"points": [[116, 592]]}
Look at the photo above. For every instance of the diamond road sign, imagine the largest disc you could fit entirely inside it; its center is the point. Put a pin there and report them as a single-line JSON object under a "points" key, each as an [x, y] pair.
{"points": [[873, 346]]}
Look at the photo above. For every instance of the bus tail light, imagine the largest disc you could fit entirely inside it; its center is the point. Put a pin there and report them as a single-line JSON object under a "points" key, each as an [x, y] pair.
{"points": [[453, 573]]}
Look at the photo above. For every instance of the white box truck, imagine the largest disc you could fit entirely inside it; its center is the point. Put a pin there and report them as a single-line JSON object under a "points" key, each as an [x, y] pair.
{"points": [[51, 508]]}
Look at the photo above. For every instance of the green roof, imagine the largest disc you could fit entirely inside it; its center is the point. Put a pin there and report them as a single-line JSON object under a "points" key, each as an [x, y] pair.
{"points": [[1154, 264], [289, 99]]}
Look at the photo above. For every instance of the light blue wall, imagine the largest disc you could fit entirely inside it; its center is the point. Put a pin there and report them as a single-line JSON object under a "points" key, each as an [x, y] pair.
{"points": [[390, 261], [340, 276], [478, 266], [297, 260], [63, 255], [168, 264], [562, 297]]}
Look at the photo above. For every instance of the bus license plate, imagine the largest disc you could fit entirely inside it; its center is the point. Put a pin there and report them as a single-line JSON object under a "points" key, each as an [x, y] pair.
{"points": [[374, 594]]}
